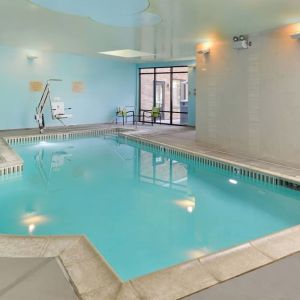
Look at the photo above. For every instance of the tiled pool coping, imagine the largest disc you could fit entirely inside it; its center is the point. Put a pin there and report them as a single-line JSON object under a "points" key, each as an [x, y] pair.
{"points": [[12, 163], [236, 167], [93, 278]]}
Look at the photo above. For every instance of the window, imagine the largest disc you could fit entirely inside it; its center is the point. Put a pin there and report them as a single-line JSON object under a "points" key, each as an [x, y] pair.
{"points": [[166, 88]]}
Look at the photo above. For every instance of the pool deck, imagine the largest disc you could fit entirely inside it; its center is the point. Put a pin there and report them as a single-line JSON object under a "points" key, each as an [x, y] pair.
{"points": [[34, 278], [277, 281], [92, 278]]}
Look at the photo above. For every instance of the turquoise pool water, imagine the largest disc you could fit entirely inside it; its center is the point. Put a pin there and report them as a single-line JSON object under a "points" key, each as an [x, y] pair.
{"points": [[144, 211]]}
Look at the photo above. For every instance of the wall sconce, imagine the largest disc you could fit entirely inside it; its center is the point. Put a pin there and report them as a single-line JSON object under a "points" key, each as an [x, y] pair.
{"points": [[295, 36], [204, 51], [32, 57], [204, 48]]}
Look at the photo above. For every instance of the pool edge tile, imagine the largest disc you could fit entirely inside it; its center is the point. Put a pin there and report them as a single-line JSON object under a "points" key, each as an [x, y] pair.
{"points": [[279, 244], [174, 282], [91, 275], [57, 244], [127, 292], [235, 261], [79, 251], [22, 246], [124, 292], [89, 271]]}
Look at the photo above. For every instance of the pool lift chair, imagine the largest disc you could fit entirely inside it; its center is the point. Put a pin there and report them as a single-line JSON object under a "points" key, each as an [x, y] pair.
{"points": [[57, 107]]}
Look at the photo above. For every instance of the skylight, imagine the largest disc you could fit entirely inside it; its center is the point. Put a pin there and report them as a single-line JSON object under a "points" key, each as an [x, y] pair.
{"points": [[127, 53]]}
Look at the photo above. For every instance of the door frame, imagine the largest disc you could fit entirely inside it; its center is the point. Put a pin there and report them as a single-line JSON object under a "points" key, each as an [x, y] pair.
{"points": [[155, 73]]}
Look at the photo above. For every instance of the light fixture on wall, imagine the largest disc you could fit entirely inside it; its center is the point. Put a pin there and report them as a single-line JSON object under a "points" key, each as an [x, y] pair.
{"points": [[32, 57], [204, 51], [295, 36], [241, 42], [204, 48]]}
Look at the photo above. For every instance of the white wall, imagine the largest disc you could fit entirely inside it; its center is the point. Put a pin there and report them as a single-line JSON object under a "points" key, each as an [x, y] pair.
{"points": [[108, 84], [248, 101]]}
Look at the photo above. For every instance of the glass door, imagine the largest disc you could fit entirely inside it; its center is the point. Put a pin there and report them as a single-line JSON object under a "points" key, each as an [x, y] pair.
{"points": [[180, 97], [164, 79], [166, 88]]}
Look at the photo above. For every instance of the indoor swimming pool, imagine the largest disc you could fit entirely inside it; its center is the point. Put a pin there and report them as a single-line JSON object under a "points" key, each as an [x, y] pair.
{"points": [[143, 209]]}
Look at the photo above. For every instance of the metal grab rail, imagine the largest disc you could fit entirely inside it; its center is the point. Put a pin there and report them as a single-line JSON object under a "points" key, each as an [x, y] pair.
{"points": [[39, 116]]}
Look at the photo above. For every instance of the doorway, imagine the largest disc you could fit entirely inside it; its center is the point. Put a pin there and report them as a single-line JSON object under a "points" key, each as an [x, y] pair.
{"points": [[166, 88]]}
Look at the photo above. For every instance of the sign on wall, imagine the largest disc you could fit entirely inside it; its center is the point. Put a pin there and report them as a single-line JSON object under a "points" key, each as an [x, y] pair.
{"points": [[78, 87], [36, 86]]}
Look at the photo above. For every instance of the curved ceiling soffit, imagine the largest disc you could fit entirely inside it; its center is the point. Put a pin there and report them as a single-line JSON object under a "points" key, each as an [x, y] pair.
{"points": [[129, 13]]}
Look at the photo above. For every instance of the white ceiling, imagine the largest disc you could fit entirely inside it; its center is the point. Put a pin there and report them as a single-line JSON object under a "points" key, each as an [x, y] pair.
{"points": [[184, 23]]}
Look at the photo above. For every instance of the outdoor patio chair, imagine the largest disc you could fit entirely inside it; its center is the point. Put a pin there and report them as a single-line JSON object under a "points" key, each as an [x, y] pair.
{"points": [[154, 114], [124, 113]]}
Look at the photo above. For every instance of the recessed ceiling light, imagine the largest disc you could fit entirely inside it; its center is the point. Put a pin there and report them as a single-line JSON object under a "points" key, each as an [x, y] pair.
{"points": [[127, 53]]}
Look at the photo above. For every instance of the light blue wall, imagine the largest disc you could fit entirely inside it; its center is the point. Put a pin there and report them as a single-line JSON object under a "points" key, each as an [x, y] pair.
{"points": [[108, 84], [192, 83]]}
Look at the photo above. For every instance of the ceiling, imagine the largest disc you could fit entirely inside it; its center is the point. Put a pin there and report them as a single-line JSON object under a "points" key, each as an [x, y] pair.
{"points": [[178, 24]]}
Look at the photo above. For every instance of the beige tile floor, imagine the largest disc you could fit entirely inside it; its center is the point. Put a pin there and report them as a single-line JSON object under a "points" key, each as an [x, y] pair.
{"points": [[34, 279]]}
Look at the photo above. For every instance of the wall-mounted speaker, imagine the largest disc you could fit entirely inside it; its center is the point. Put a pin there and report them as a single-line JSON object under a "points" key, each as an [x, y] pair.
{"points": [[241, 42]]}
